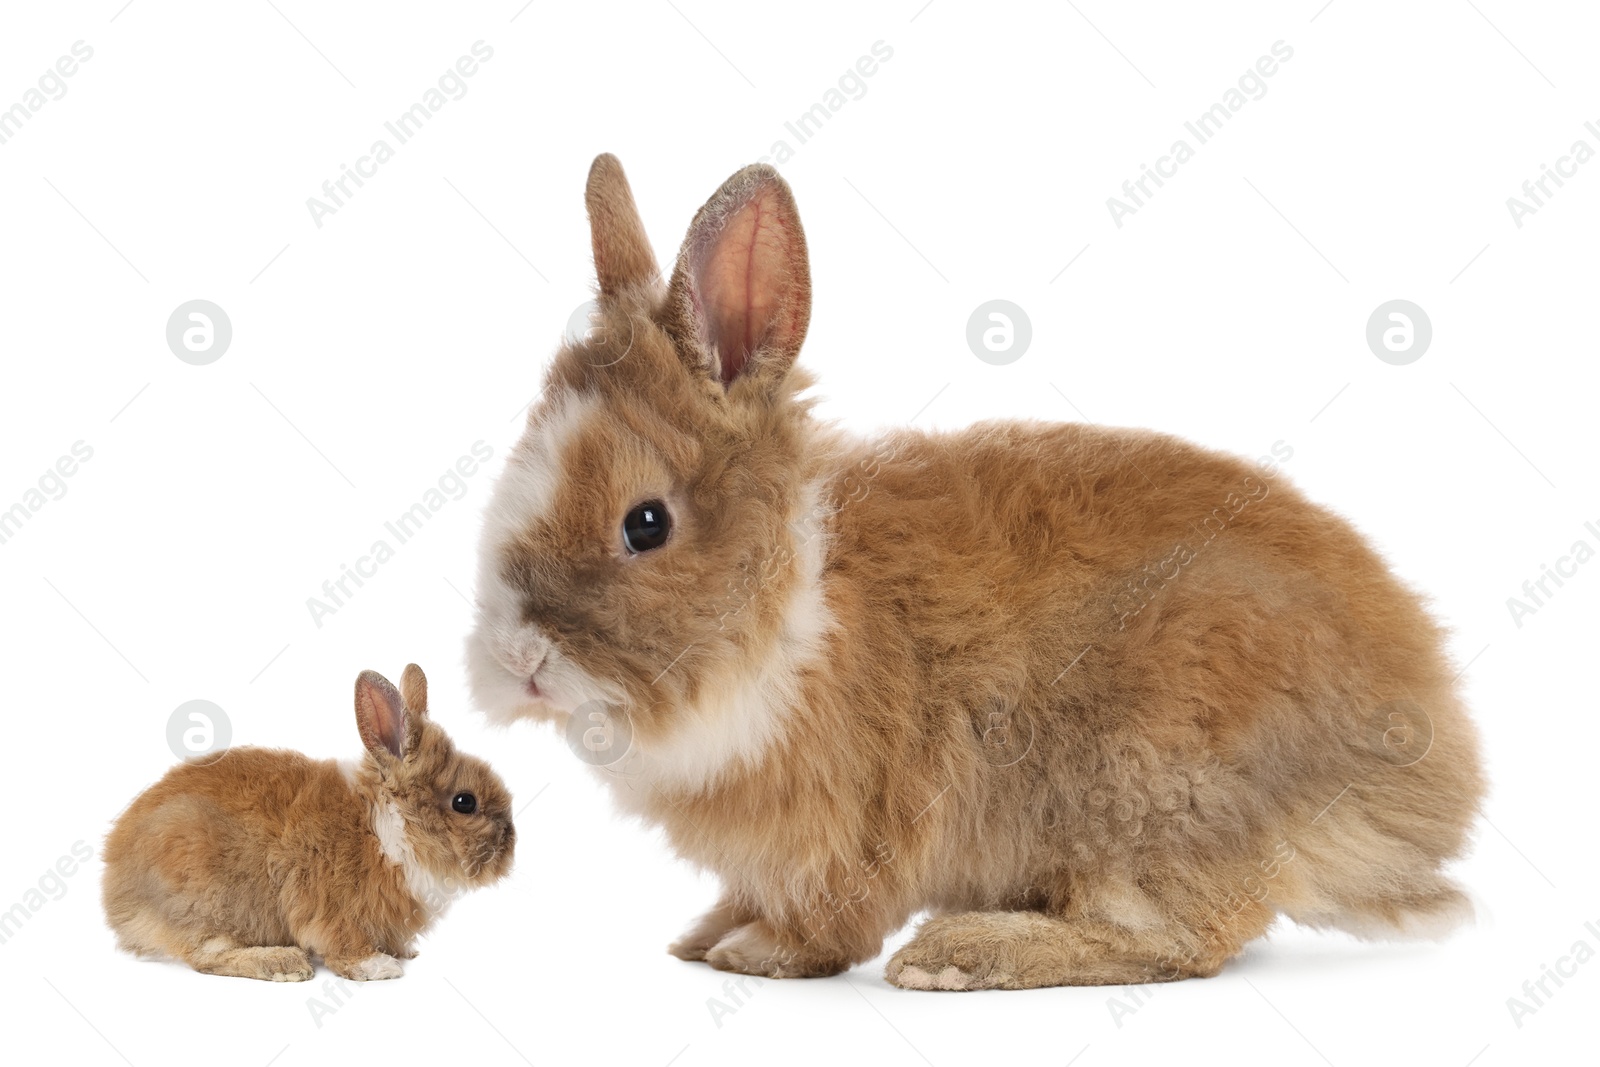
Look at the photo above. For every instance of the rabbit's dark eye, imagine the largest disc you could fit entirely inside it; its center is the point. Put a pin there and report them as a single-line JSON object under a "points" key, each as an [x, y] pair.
{"points": [[465, 803], [646, 526]]}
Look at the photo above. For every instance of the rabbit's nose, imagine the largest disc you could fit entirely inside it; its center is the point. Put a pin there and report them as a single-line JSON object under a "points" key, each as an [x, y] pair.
{"points": [[525, 653]]}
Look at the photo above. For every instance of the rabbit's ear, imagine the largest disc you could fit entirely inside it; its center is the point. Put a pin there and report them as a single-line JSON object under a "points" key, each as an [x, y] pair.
{"points": [[380, 716], [740, 296], [414, 689], [414, 695], [622, 256]]}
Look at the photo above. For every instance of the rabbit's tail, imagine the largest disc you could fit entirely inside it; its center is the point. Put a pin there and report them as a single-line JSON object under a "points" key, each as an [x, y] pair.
{"points": [[1429, 916], [1364, 869]]}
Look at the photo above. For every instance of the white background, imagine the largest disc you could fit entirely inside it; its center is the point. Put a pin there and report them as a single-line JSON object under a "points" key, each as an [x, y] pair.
{"points": [[372, 352]]}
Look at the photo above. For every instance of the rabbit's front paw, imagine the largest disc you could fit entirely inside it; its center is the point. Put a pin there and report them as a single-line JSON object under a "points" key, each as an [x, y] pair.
{"points": [[703, 936], [754, 949]]}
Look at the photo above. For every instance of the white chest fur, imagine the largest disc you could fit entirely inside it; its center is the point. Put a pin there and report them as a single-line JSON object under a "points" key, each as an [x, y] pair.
{"points": [[432, 894]]}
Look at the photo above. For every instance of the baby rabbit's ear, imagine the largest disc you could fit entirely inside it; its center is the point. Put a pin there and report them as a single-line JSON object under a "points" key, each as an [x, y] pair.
{"points": [[414, 689], [740, 297], [622, 256], [414, 694], [380, 716]]}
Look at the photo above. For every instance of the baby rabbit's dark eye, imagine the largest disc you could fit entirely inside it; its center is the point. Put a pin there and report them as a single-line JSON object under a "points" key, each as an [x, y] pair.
{"points": [[646, 526], [465, 803]]}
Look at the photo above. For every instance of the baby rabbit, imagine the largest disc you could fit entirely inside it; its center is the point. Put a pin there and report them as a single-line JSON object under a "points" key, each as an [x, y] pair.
{"points": [[250, 863], [1102, 701]]}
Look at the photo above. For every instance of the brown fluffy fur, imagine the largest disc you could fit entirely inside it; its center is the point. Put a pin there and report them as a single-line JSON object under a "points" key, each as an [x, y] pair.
{"points": [[1103, 701], [250, 863]]}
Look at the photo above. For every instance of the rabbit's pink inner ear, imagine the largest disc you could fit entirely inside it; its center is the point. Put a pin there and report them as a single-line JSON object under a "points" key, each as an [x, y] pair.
{"points": [[380, 715], [622, 255], [751, 285]]}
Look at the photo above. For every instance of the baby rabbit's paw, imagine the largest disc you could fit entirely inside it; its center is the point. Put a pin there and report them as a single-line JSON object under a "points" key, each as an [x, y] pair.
{"points": [[754, 949], [371, 968]]}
